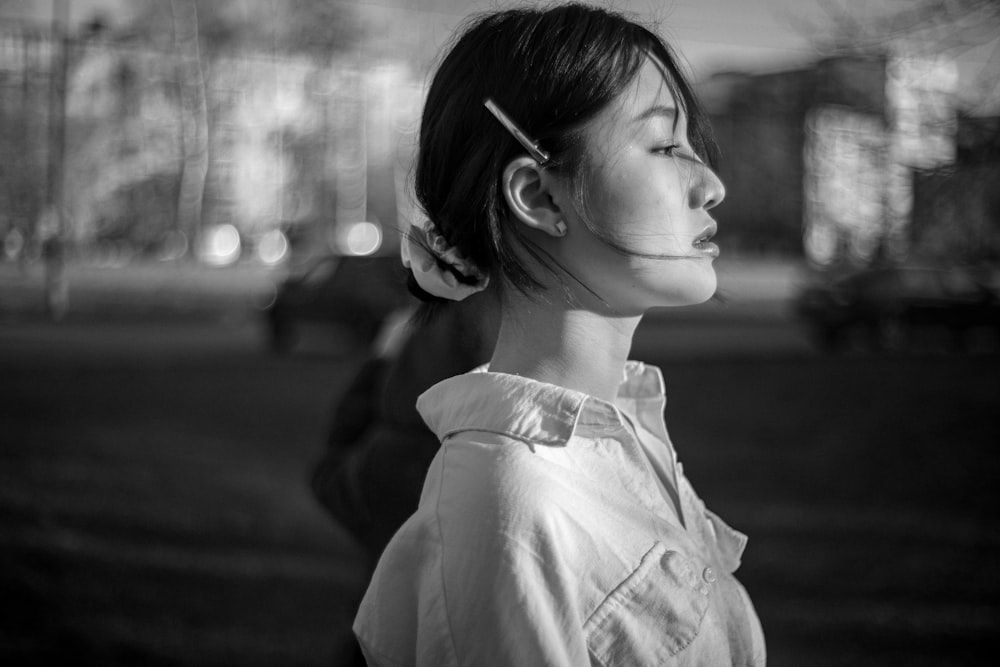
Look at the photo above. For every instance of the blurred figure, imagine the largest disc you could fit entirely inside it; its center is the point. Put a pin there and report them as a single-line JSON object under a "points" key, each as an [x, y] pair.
{"points": [[378, 449]]}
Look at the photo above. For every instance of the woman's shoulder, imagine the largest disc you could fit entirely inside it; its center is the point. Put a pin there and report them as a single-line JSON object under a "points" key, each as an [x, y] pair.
{"points": [[493, 479], [485, 502], [494, 494], [482, 482]]}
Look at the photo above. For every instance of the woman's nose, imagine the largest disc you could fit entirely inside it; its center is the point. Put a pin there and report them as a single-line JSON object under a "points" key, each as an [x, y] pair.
{"points": [[708, 191]]}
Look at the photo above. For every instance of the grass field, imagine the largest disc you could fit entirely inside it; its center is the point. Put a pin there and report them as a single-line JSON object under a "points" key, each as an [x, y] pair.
{"points": [[153, 510]]}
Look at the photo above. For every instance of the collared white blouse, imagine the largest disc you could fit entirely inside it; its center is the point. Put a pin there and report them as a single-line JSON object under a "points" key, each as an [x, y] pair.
{"points": [[555, 528]]}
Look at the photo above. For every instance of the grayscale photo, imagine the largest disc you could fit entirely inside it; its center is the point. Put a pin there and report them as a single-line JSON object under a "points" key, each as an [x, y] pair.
{"points": [[499, 333]]}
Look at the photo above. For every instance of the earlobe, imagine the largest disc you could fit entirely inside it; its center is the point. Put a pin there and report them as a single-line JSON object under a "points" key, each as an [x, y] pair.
{"points": [[527, 190]]}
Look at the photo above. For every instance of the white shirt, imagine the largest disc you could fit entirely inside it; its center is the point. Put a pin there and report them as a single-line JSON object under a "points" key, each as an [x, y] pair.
{"points": [[555, 528]]}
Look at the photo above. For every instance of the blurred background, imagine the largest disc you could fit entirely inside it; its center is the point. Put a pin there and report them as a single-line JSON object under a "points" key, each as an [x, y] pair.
{"points": [[200, 205]]}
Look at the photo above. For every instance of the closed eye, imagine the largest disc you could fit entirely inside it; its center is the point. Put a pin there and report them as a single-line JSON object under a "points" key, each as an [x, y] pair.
{"points": [[679, 151], [669, 150]]}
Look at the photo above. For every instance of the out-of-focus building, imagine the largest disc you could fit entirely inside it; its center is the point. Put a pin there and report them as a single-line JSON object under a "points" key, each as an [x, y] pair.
{"points": [[166, 147], [956, 210], [832, 161]]}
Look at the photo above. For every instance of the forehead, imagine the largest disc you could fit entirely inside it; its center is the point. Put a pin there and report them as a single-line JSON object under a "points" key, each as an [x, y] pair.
{"points": [[651, 88]]}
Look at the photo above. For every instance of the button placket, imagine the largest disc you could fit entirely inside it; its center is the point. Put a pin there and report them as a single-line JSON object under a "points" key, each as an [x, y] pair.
{"points": [[707, 579]]}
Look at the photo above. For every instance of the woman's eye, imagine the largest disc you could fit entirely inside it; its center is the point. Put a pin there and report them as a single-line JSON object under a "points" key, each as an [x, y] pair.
{"points": [[680, 152], [669, 150]]}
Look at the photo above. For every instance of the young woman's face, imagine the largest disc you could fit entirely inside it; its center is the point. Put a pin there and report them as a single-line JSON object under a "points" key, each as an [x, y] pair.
{"points": [[647, 191]]}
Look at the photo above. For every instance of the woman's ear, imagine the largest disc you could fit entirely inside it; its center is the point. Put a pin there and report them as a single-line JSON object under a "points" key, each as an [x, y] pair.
{"points": [[527, 190]]}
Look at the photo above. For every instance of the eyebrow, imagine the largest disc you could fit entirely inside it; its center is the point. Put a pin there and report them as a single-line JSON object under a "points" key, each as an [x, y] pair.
{"points": [[658, 110]]}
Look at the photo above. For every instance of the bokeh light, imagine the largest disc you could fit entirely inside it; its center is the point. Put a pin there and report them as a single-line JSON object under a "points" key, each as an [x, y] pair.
{"points": [[272, 247], [220, 245], [359, 238]]}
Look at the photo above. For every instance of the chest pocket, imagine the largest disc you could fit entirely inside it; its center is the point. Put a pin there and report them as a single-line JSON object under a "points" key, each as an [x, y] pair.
{"points": [[652, 615]]}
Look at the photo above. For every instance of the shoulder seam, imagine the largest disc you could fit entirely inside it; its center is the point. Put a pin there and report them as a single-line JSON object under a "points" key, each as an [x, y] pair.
{"points": [[504, 434]]}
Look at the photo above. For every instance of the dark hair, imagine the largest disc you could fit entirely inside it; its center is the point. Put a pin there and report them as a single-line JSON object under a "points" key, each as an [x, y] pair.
{"points": [[552, 70]]}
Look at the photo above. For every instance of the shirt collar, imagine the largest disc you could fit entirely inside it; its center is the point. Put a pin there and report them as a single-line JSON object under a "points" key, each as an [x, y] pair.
{"points": [[529, 410]]}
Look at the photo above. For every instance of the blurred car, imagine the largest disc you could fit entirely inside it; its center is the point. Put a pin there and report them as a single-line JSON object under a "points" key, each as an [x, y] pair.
{"points": [[353, 293], [889, 306]]}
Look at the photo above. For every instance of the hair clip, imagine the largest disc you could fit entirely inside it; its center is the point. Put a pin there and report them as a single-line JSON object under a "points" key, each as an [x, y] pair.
{"points": [[532, 147]]}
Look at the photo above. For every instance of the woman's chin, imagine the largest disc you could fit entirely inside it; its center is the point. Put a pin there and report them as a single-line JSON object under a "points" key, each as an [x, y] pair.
{"points": [[699, 289]]}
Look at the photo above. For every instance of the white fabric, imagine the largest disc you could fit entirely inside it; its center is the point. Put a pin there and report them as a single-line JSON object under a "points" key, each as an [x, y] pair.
{"points": [[423, 248], [557, 529]]}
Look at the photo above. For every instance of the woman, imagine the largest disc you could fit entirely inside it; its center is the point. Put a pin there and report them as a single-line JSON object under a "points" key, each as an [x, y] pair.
{"points": [[562, 168]]}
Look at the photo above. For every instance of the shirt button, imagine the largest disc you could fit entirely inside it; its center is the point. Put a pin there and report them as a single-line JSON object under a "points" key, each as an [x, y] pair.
{"points": [[708, 575]]}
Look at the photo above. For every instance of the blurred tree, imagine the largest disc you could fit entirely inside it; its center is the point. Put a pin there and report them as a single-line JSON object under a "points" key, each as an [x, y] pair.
{"points": [[186, 26], [143, 100], [24, 140], [952, 28], [314, 27], [201, 39]]}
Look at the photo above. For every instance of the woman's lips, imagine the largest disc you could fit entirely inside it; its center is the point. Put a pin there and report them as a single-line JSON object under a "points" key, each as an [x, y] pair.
{"points": [[703, 244], [706, 248]]}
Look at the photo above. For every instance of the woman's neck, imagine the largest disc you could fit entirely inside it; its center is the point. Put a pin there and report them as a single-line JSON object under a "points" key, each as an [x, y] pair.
{"points": [[576, 349]]}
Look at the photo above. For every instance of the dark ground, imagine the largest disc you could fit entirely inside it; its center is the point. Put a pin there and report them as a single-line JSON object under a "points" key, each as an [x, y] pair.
{"points": [[153, 507]]}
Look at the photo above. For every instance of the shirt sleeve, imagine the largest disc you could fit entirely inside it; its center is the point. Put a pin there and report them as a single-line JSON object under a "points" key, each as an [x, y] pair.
{"points": [[481, 575], [514, 603], [497, 605], [510, 564]]}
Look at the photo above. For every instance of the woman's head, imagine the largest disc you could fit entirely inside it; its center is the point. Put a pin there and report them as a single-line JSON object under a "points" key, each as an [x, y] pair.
{"points": [[555, 72]]}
